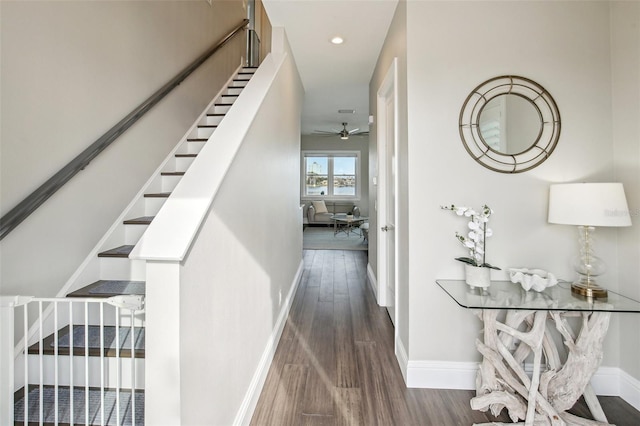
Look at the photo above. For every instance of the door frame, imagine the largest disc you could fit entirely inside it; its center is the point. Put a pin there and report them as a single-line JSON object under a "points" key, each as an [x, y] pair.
{"points": [[388, 89]]}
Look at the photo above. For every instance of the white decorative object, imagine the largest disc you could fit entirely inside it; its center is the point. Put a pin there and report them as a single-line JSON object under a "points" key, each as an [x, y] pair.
{"points": [[476, 239], [532, 279], [553, 387], [477, 276]]}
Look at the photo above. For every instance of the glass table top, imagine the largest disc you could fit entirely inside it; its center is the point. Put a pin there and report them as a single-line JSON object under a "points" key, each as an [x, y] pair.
{"points": [[507, 295], [344, 218]]}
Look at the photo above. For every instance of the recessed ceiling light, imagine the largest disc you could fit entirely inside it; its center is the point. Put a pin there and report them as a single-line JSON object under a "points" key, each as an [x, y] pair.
{"points": [[337, 40]]}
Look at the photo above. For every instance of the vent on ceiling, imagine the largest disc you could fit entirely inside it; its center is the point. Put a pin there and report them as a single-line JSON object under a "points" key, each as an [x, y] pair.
{"points": [[347, 111]]}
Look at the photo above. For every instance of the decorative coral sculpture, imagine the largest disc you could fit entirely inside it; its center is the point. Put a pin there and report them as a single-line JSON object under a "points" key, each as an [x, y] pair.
{"points": [[532, 279]]}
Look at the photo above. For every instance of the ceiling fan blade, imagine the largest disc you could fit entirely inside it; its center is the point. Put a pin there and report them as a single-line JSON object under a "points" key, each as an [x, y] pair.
{"points": [[351, 132], [324, 132]]}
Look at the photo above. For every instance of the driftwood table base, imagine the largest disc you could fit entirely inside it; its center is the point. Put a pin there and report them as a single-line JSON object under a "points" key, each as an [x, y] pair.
{"points": [[559, 377]]}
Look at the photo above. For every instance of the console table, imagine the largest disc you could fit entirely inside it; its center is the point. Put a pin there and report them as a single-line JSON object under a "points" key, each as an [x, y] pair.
{"points": [[520, 325]]}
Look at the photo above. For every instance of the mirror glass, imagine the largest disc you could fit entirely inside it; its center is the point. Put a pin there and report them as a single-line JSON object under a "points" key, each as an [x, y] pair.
{"points": [[510, 124]]}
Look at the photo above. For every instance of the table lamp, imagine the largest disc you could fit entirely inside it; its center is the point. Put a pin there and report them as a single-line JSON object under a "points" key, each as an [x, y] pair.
{"points": [[588, 205]]}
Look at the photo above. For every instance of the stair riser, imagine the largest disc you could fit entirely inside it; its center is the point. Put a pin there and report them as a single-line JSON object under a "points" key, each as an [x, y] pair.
{"points": [[93, 309], [205, 132], [133, 233], [238, 84], [234, 91], [64, 377], [213, 120], [220, 109], [152, 206], [122, 269], [184, 163], [169, 183], [228, 99]]}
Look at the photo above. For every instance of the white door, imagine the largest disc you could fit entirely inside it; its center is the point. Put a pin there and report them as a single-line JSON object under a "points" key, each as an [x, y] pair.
{"points": [[387, 148]]}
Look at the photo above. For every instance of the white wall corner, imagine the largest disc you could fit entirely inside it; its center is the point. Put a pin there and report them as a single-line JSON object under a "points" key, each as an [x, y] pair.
{"points": [[245, 413], [373, 282], [630, 389]]}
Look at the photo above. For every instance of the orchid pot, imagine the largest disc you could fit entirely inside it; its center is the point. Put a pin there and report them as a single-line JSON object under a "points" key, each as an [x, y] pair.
{"points": [[477, 276]]}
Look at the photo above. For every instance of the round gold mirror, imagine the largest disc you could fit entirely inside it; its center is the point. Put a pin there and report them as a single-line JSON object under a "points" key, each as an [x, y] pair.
{"points": [[509, 124]]}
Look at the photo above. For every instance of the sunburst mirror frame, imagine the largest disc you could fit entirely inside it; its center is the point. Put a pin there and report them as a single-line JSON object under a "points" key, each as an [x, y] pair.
{"points": [[538, 151]]}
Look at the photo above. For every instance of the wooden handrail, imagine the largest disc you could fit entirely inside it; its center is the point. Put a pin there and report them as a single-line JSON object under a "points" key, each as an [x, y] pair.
{"points": [[27, 206]]}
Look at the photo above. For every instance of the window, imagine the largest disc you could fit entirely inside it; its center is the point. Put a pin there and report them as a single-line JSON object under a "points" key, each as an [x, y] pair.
{"points": [[330, 174]]}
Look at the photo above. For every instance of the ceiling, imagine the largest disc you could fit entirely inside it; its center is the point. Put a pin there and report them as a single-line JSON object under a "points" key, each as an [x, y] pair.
{"points": [[335, 77]]}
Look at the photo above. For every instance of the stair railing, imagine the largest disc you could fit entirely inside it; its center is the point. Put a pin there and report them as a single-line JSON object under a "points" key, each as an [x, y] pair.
{"points": [[27, 206], [59, 368]]}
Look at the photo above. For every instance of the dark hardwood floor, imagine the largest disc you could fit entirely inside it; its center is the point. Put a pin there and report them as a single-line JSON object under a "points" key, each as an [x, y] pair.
{"points": [[335, 364]]}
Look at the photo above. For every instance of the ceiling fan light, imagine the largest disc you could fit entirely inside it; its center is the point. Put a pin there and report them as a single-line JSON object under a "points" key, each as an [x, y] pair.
{"points": [[344, 137]]}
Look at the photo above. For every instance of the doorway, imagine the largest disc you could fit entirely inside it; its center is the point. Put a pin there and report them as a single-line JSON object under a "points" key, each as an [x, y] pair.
{"points": [[387, 107]]}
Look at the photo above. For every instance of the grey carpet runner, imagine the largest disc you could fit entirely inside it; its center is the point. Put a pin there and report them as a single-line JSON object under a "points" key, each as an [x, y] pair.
{"points": [[79, 400]]}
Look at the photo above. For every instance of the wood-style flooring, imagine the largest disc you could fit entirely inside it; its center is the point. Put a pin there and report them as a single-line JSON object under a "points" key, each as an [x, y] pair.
{"points": [[335, 365]]}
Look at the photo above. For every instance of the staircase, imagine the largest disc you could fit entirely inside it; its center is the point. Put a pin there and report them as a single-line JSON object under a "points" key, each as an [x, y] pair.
{"points": [[88, 357]]}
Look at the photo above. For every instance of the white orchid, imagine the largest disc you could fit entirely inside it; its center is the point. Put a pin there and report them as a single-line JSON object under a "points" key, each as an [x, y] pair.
{"points": [[478, 233]]}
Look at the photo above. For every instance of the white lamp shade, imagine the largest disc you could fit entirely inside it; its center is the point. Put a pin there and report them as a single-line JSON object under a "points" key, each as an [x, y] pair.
{"points": [[588, 204]]}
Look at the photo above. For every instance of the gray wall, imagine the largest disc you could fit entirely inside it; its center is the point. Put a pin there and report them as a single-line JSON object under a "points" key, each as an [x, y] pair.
{"points": [[625, 61], [71, 70], [586, 55], [395, 46]]}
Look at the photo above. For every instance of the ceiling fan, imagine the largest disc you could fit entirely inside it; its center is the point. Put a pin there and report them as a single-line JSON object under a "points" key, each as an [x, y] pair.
{"points": [[343, 134]]}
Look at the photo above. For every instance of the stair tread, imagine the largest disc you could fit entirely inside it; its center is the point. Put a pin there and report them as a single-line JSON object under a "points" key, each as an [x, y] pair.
{"points": [[79, 398], [109, 341], [142, 220], [109, 288], [158, 195], [122, 251], [172, 173]]}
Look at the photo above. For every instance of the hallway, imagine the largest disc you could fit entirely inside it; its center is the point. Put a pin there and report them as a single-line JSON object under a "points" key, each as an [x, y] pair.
{"points": [[335, 364]]}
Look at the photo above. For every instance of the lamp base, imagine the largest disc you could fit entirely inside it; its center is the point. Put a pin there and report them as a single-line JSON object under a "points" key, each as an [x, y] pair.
{"points": [[589, 290]]}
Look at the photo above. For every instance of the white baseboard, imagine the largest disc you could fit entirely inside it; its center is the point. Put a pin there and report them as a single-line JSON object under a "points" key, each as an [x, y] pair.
{"points": [[608, 381], [630, 389], [243, 417], [403, 359], [373, 282], [441, 374]]}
